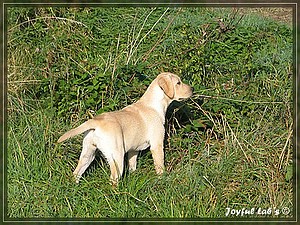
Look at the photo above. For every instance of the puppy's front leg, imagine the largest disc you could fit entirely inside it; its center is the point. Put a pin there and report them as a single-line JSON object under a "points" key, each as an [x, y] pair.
{"points": [[158, 157]]}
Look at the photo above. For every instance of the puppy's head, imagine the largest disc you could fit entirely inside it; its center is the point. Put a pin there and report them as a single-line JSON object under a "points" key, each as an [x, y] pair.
{"points": [[173, 87]]}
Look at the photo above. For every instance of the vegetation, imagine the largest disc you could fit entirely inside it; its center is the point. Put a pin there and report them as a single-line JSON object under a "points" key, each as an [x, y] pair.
{"points": [[228, 147]]}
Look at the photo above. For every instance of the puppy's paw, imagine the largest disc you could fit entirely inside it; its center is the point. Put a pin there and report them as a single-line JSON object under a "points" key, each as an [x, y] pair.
{"points": [[76, 178], [159, 170]]}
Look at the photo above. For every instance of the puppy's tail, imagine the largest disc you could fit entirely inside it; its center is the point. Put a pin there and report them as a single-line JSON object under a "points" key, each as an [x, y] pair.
{"points": [[78, 130]]}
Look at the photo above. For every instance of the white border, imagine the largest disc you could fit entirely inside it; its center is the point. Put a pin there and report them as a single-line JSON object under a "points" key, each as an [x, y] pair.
{"points": [[163, 220]]}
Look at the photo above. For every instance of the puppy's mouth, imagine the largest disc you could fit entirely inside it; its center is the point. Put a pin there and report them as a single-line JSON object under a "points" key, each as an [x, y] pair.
{"points": [[183, 99]]}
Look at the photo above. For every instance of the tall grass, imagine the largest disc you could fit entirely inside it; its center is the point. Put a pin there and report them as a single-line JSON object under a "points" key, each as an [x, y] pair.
{"points": [[228, 147]]}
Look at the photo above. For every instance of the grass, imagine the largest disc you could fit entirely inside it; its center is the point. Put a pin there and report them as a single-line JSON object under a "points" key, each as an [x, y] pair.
{"points": [[229, 146]]}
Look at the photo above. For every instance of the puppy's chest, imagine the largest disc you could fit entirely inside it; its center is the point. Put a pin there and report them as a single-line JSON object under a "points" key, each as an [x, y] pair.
{"points": [[136, 144], [142, 146], [140, 139]]}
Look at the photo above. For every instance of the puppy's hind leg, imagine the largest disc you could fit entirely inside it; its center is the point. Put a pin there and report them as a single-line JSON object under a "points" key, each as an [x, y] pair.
{"points": [[86, 157], [116, 165], [132, 158]]}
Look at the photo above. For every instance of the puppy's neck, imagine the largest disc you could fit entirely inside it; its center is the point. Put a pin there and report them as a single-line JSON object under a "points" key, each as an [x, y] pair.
{"points": [[155, 98]]}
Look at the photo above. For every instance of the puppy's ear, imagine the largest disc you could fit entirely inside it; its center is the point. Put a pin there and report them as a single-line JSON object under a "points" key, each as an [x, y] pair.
{"points": [[166, 85]]}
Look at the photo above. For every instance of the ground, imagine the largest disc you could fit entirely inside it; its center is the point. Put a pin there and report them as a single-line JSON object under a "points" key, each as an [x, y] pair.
{"points": [[284, 15]]}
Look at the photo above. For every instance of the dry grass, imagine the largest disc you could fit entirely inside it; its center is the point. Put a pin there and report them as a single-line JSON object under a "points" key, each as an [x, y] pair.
{"points": [[284, 15]]}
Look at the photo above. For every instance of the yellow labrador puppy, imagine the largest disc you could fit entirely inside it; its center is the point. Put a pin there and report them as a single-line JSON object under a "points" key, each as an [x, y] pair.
{"points": [[132, 129]]}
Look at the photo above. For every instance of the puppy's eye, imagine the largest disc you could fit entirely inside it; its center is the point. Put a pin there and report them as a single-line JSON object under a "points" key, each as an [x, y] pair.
{"points": [[178, 83]]}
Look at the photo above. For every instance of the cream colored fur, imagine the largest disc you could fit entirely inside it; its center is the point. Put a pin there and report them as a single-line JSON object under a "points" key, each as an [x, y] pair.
{"points": [[132, 129]]}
